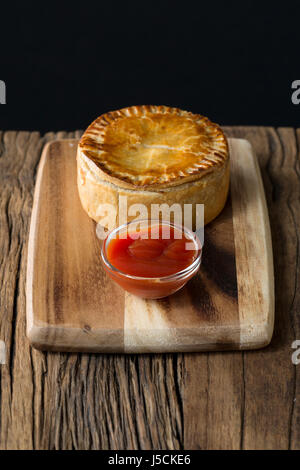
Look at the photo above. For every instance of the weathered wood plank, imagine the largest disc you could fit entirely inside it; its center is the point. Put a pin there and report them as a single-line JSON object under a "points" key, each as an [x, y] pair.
{"points": [[66, 401], [294, 204], [266, 383], [213, 401], [231, 400], [270, 374]]}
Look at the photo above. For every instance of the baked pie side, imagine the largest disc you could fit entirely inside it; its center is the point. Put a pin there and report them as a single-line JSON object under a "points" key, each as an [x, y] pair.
{"points": [[153, 155]]}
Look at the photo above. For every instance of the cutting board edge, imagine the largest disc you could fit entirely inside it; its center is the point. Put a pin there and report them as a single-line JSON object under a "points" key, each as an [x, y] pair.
{"points": [[261, 244], [31, 241], [41, 338]]}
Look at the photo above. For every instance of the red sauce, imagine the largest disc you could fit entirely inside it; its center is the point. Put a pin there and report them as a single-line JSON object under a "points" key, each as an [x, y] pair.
{"points": [[154, 256]]}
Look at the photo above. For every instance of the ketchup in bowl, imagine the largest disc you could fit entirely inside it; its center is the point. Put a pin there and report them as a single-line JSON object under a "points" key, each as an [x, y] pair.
{"points": [[154, 261]]}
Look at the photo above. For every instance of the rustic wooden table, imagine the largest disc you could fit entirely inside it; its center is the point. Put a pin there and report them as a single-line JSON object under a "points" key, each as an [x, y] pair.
{"points": [[232, 400]]}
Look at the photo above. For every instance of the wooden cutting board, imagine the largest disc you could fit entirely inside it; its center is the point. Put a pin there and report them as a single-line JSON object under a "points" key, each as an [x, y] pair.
{"points": [[73, 306]]}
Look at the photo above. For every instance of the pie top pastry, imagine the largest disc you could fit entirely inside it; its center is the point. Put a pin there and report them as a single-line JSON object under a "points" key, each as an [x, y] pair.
{"points": [[153, 147]]}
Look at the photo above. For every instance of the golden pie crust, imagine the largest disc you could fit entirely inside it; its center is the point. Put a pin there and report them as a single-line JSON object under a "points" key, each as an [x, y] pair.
{"points": [[153, 155]]}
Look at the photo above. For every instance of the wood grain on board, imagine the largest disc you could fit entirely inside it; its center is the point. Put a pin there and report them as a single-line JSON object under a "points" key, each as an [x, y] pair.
{"points": [[215, 400], [71, 301], [73, 305]]}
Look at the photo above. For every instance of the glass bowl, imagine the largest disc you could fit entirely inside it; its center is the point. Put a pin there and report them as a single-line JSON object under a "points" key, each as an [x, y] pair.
{"points": [[152, 287]]}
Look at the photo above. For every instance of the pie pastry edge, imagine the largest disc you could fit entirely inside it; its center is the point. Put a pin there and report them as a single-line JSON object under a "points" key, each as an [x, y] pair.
{"points": [[209, 186]]}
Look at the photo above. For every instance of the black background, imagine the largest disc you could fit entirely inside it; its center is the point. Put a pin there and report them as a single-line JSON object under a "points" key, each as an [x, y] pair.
{"points": [[64, 64]]}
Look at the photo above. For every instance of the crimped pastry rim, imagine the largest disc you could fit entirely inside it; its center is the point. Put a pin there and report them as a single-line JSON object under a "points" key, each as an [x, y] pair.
{"points": [[89, 144]]}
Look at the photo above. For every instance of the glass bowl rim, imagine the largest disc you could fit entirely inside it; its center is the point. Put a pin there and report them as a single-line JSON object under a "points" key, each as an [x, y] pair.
{"points": [[171, 277]]}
